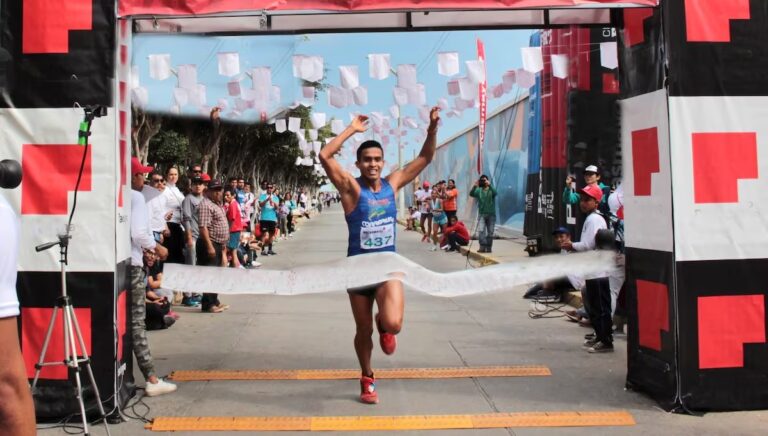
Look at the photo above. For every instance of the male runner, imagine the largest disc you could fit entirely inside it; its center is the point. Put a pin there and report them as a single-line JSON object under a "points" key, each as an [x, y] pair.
{"points": [[370, 212]]}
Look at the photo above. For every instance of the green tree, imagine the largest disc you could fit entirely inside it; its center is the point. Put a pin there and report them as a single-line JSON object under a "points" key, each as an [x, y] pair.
{"points": [[169, 147]]}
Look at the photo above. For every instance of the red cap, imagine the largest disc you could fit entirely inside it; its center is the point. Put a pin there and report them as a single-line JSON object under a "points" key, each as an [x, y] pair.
{"points": [[138, 168], [206, 177], [425, 184], [593, 191]]}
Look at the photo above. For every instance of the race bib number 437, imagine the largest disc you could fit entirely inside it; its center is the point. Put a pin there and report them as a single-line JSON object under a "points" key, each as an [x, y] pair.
{"points": [[372, 238]]}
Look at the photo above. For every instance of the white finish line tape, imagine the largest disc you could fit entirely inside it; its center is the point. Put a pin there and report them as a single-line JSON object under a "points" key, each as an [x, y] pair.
{"points": [[371, 269]]}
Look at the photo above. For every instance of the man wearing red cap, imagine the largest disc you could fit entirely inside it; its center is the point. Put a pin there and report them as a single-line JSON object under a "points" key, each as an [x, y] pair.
{"points": [[598, 290], [142, 240]]}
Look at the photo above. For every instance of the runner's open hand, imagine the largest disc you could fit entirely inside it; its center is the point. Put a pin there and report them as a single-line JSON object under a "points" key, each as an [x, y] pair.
{"points": [[359, 124]]}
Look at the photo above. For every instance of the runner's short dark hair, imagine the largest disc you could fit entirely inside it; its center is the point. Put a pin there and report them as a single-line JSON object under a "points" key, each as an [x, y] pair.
{"points": [[368, 144]]}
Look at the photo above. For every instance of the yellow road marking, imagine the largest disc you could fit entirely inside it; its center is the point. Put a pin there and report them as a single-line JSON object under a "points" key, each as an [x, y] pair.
{"points": [[342, 374], [370, 423]]}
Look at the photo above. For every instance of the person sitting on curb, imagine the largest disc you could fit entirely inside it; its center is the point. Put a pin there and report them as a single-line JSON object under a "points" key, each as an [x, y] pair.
{"points": [[455, 235], [552, 291]]}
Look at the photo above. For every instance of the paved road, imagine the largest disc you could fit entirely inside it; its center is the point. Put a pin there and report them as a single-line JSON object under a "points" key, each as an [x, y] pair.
{"points": [[310, 332]]}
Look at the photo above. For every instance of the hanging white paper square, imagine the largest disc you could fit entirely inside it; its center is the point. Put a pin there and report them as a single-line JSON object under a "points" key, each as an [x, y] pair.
{"points": [[180, 96], [394, 110], [448, 63], [609, 55], [298, 160], [467, 89], [134, 77], [140, 96], [309, 68], [560, 66], [233, 88], [442, 103], [497, 91], [229, 63], [360, 95], [406, 76], [294, 124], [175, 109], [476, 71], [316, 146], [337, 126], [417, 95], [222, 103], [532, 60], [337, 97], [378, 66], [525, 79], [262, 77], [349, 76], [160, 66], [424, 113], [453, 87], [400, 95], [280, 125], [308, 92], [275, 97], [197, 96], [318, 119], [410, 123], [312, 134], [377, 118], [187, 76], [508, 81]]}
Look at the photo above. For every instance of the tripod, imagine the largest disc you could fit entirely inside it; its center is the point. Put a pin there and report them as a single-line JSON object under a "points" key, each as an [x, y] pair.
{"points": [[72, 337]]}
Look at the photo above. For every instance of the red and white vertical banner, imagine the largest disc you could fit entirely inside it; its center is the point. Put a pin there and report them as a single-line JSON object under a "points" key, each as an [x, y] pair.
{"points": [[483, 96]]}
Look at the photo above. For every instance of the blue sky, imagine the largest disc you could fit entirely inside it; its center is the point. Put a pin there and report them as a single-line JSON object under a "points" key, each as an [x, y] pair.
{"points": [[276, 51]]}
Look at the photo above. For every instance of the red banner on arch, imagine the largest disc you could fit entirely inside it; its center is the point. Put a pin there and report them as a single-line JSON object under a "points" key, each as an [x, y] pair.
{"points": [[199, 7]]}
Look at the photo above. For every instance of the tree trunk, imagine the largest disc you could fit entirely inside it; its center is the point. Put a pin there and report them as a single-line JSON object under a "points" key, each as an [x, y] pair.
{"points": [[144, 128]]}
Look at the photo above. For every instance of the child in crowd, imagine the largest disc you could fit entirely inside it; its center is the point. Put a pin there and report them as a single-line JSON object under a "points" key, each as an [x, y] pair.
{"points": [[234, 217], [159, 314]]}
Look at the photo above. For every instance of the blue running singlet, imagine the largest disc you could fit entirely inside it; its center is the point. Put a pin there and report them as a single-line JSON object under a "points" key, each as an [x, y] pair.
{"points": [[372, 224]]}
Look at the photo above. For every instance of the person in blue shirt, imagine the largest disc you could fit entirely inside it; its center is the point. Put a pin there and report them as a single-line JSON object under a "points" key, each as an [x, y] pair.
{"points": [[268, 202], [371, 215]]}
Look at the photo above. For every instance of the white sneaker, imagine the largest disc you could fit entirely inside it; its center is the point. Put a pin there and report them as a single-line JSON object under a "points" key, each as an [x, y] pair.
{"points": [[445, 247], [159, 388], [255, 264]]}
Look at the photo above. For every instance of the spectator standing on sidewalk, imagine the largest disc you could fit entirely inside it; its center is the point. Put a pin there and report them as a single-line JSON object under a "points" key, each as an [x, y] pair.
{"points": [[598, 290], [214, 234], [486, 212], [450, 199], [17, 412], [190, 219], [142, 239]]}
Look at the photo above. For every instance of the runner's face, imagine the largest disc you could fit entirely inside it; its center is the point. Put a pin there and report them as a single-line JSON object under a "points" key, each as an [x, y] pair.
{"points": [[371, 162], [562, 238]]}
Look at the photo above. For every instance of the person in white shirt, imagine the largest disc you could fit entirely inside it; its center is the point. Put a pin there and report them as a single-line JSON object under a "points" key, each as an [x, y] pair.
{"points": [[17, 414], [598, 290], [422, 196], [173, 200], [155, 200], [141, 240]]}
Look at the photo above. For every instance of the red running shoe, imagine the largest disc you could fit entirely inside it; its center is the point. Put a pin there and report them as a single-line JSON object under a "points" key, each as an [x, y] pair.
{"points": [[368, 393], [388, 341]]}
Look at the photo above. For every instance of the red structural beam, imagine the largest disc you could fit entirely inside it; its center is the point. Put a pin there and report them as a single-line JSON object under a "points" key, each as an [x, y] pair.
{"points": [[198, 7]]}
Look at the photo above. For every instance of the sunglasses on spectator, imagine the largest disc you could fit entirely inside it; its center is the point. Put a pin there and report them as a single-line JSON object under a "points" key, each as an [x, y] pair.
{"points": [[158, 180]]}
